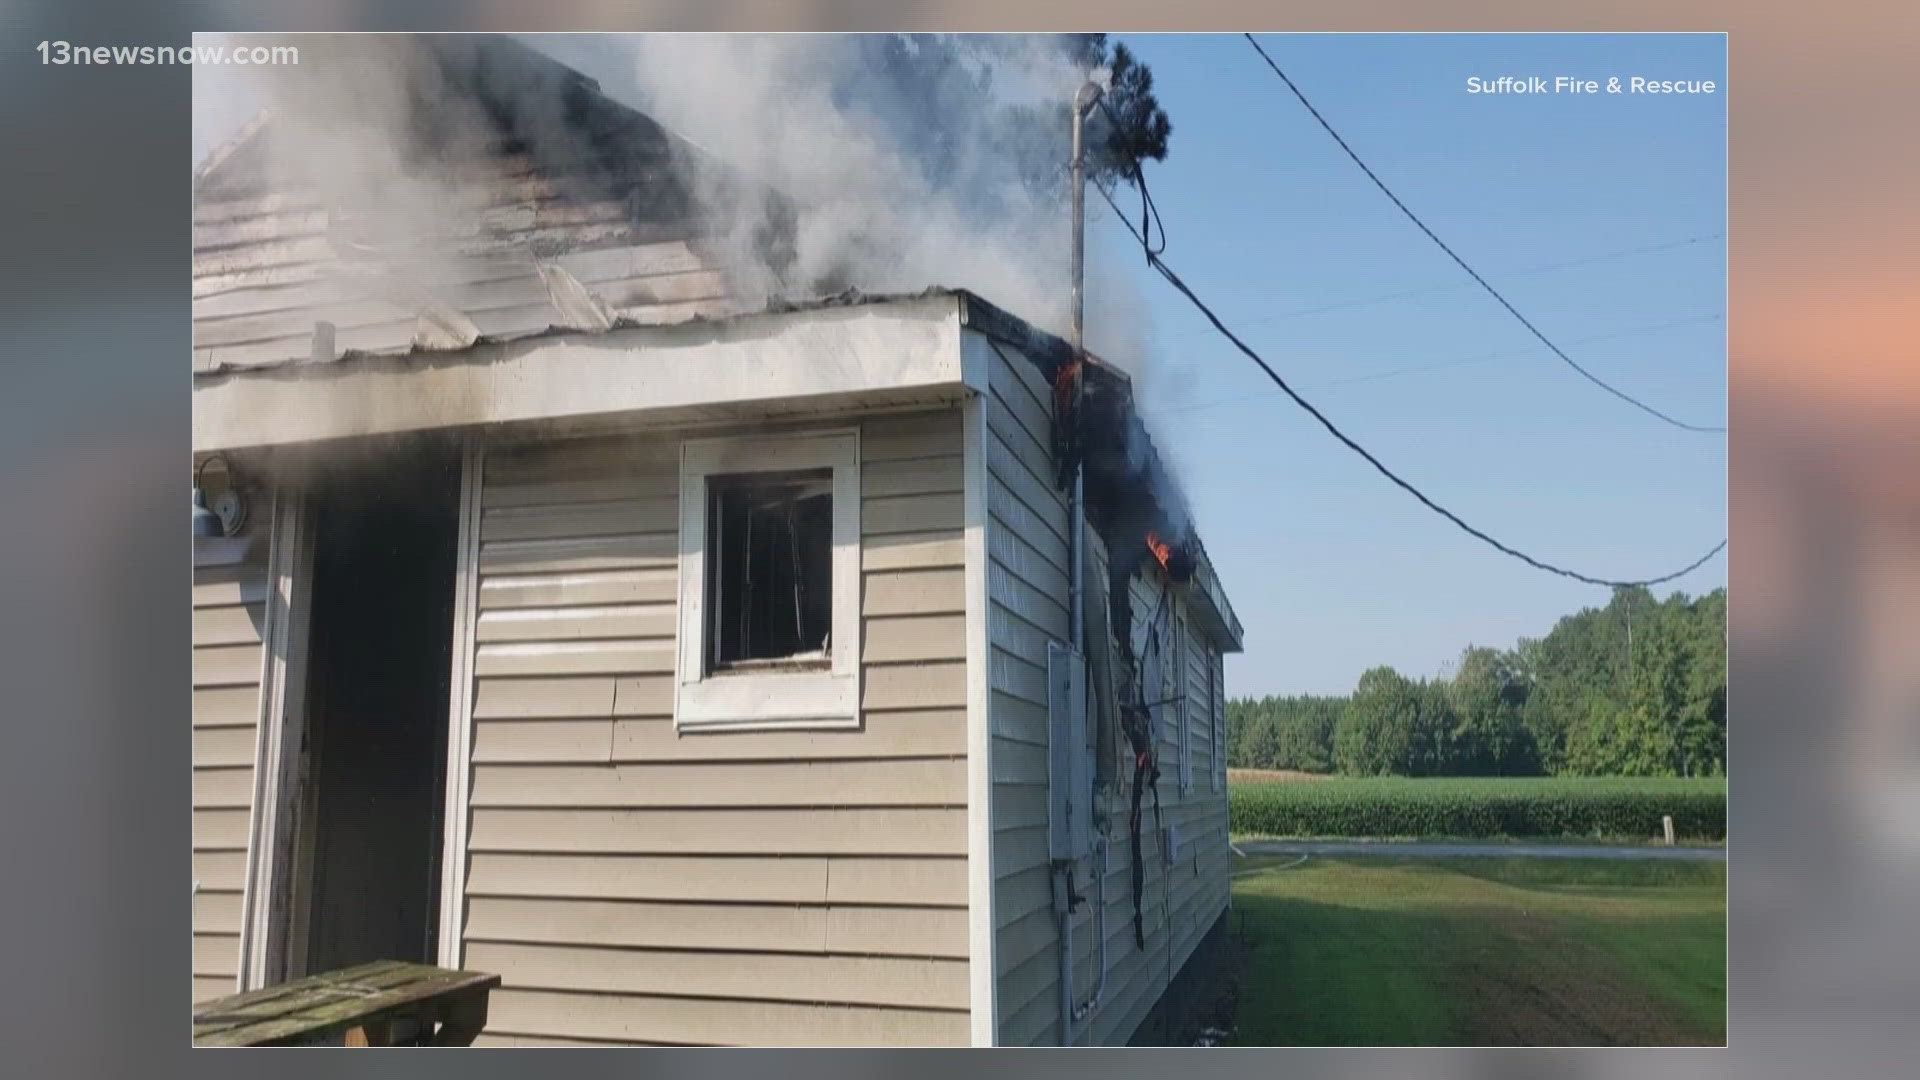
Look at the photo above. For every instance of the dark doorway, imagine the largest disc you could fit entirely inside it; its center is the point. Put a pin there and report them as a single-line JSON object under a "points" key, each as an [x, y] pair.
{"points": [[379, 662]]}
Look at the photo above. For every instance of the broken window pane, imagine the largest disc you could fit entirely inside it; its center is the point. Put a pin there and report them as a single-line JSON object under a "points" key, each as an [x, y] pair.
{"points": [[770, 569]]}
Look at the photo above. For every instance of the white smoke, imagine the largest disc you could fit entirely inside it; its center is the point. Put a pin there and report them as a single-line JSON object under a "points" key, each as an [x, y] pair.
{"points": [[809, 115], [371, 128], [958, 180], [863, 205], [869, 210]]}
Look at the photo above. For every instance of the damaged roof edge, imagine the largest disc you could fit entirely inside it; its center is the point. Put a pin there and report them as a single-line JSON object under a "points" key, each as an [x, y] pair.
{"points": [[906, 352], [1047, 353], [214, 370]]}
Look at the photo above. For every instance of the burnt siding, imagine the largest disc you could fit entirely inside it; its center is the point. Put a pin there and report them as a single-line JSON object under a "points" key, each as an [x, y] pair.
{"points": [[634, 885], [1029, 593]]}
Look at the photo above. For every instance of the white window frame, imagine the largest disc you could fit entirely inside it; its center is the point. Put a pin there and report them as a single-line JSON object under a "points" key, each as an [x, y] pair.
{"points": [[271, 944], [759, 700]]}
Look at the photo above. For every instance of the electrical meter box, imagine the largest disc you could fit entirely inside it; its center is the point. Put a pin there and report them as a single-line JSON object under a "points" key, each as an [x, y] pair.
{"points": [[1069, 755]]}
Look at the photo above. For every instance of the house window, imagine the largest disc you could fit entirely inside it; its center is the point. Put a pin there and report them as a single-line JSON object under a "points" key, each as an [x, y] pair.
{"points": [[770, 569], [769, 627]]}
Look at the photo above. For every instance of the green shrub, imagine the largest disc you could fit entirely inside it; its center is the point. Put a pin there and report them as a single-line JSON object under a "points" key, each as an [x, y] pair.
{"points": [[1520, 806]]}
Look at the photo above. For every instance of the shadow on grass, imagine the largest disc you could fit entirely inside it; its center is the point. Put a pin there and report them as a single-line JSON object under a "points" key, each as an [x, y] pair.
{"points": [[1317, 971], [1316, 974]]}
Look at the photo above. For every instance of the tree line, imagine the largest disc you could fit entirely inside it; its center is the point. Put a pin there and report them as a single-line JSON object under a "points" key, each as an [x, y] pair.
{"points": [[1636, 688]]}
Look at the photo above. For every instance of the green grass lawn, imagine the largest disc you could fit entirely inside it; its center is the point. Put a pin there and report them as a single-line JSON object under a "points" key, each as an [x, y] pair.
{"points": [[1485, 951]]}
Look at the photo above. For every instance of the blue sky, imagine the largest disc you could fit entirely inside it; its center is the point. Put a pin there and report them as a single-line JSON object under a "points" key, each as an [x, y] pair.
{"points": [[1332, 569]]}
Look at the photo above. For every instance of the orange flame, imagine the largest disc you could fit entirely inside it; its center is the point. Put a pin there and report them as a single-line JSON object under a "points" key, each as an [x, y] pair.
{"points": [[1162, 550], [1064, 381]]}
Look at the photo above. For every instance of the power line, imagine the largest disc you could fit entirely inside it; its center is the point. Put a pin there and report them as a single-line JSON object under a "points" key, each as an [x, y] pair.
{"points": [[1491, 291], [1165, 271]]}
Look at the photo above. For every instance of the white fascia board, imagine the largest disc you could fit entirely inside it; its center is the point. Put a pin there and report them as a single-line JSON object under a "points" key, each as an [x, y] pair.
{"points": [[1210, 601], [754, 365]]}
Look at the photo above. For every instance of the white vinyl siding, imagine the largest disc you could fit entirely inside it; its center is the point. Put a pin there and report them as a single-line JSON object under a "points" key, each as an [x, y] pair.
{"points": [[636, 884], [1180, 711], [229, 625], [1217, 699]]}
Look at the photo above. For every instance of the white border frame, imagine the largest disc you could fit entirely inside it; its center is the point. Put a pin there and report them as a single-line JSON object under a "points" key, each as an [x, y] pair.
{"points": [[449, 940], [266, 908], [746, 701], [982, 937]]}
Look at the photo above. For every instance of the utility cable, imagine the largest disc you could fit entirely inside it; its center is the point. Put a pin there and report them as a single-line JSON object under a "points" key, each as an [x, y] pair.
{"points": [[1173, 279], [1471, 272]]}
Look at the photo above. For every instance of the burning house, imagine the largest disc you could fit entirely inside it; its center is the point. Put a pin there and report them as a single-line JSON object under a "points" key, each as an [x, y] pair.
{"points": [[716, 670]]}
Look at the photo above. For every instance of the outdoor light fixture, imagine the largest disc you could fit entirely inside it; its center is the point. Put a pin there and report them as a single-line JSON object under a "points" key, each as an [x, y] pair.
{"points": [[229, 510]]}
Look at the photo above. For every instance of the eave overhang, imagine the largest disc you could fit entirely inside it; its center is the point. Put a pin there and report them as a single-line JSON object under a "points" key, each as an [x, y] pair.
{"points": [[878, 353]]}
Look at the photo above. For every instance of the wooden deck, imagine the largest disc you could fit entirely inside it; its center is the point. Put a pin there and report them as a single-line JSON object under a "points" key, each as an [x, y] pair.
{"points": [[377, 1004]]}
